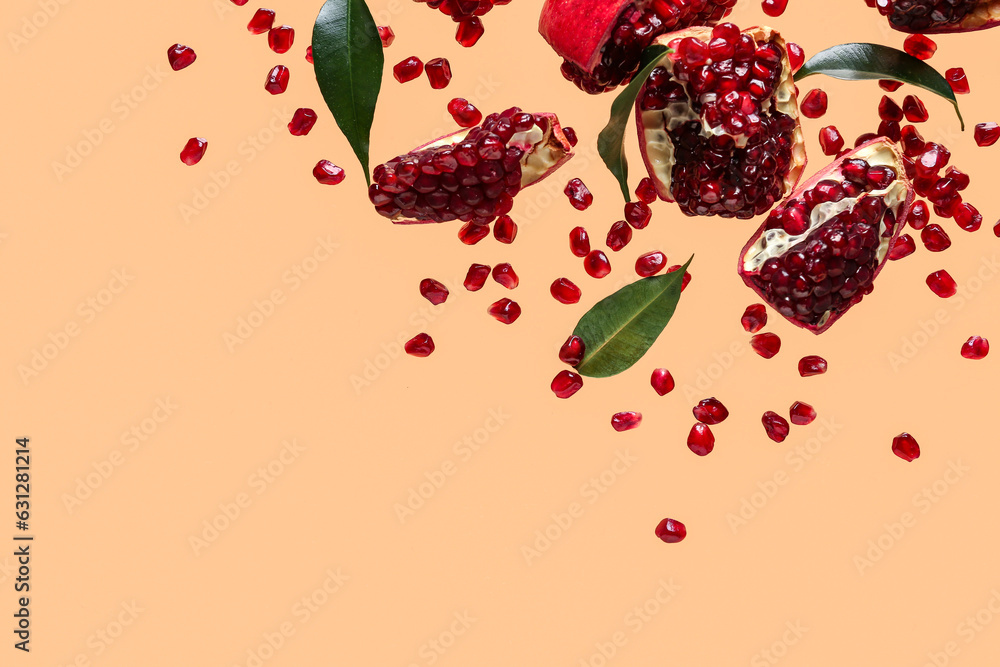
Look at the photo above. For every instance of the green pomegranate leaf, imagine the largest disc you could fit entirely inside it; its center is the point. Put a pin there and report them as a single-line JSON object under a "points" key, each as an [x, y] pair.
{"points": [[619, 329], [861, 61], [611, 140], [347, 57]]}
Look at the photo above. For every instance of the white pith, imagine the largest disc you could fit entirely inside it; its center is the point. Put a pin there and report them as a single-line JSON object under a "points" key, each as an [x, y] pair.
{"points": [[987, 12], [541, 152]]}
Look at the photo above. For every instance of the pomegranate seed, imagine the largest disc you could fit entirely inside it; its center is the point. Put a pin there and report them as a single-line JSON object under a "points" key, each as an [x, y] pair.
{"points": [[309, 53], [579, 195], [889, 85], [957, 80], [889, 128], [566, 383], [475, 278], [796, 56], [754, 318], [935, 238], [903, 246], [328, 173], [830, 140], [967, 217], [387, 36], [570, 135], [671, 531], [470, 233], [239, 3], [619, 236], [180, 56], [505, 229], [504, 274], [889, 110], [987, 134], [920, 46], [596, 264], [194, 151], [469, 31], [662, 381], [801, 413], [505, 311], [812, 365], [650, 264], [685, 280], [408, 69], [302, 122], [942, 284], [261, 21], [438, 72], [996, 229], [579, 241], [464, 113], [976, 347], [572, 351], [914, 109], [774, 7], [710, 411], [701, 440], [958, 177], [775, 425], [918, 216], [646, 191], [420, 345], [814, 104], [564, 290], [905, 447], [433, 290], [865, 138], [766, 344], [277, 80], [280, 38], [637, 214], [625, 421]]}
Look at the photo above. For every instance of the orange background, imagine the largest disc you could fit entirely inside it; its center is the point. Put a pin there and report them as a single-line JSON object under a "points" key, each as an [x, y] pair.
{"points": [[350, 428]]}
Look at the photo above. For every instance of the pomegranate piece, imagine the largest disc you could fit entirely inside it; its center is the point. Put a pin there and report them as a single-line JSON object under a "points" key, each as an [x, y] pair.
{"points": [[919, 215], [662, 381], [775, 426], [774, 7], [957, 80], [471, 175], [504, 274], [942, 284], [646, 191], [889, 128], [570, 135], [566, 383], [578, 194], [505, 311], [935, 238], [818, 253], [505, 229], [434, 291], [814, 104], [889, 110], [976, 348], [277, 80], [387, 36], [920, 46], [408, 69], [261, 21], [565, 291], [469, 31], [914, 109], [967, 217], [987, 134], [471, 233], [801, 414], [328, 173], [309, 54], [476, 276], [754, 318], [796, 56], [572, 351], [638, 214], [902, 247], [596, 264], [671, 531], [687, 275], [239, 3], [438, 72], [180, 56], [715, 142], [280, 38], [937, 16], [766, 344], [302, 122], [464, 113], [905, 447], [619, 235], [701, 440], [812, 365], [194, 151], [830, 140], [626, 421], [996, 230], [710, 411], [420, 345], [889, 85], [579, 241], [650, 264]]}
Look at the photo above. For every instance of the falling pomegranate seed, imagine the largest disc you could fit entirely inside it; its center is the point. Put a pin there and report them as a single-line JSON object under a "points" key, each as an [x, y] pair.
{"points": [[775, 426], [646, 191], [408, 69], [812, 365], [754, 318], [919, 215], [957, 80], [505, 311], [920, 46], [889, 128], [942, 284], [566, 383], [619, 235], [280, 38], [626, 421], [564, 290], [505, 229], [987, 134], [865, 138], [935, 238], [959, 177], [578, 194], [814, 104], [701, 440], [671, 531], [796, 56], [572, 351], [504, 274], [420, 345], [710, 411], [914, 109], [967, 217], [239, 3], [434, 291], [387, 36], [277, 80], [309, 53], [996, 229], [470, 233], [889, 85], [579, 241], [302, 122], [638, 214], [685, 280], [830, 140], [464, 113], [596, 264], [194, 151], [774, 7], [328, 173], [976, 347], [570, 135], [905, 447], [766, 344], [469, 31], [650, 264], [662, 381], [261, 21], [903, 246], [438, 72], [889, 110], [180, 56], [476, 277], [801, 413]]}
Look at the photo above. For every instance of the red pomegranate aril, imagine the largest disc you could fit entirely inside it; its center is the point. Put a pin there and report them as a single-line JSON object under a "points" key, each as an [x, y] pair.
{"points": [[328, 173], [905, 447], [766, 344], [701, 440], [650, 264], [889, 85], [387, 36], [671, 531], [903, 246], [626, 421], [619, 235], [775, 426], [565, 291], [469, 31], [180, 56], [434, 291], [914, 109], [942, 284], [302, 122], [754, 318], [996, 230], [638, 214], [566, 383], [579, 241], [913, 142], [801, 414], [309, 54], [830, 140], [572, 351], [596, 264], [685, 280], [280, 38], [476, 277], [774, 7], [408, 69], [889, 128], [505, 229], [471, 233], [710, 411], [505, 311], [865, 138], [812, 365], [464, 113], [975, 348], [814, 104], [277, 80], [420, 345], [796, 56], [261, 21], [438, 72], [968, 217], [958, 177], [578, 194], [504, 274], [239, 3], [957, 80], [920, 46], [987, 134], [935, 238], [646, 191], [919, 215], [194, 151], [889, 110], [662, 381]]}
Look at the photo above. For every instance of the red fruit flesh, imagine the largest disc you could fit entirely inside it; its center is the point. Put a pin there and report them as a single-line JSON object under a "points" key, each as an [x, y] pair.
{"points": [[638, 214], [565, 291], [987, 134], [766, 344], [471, 233], [920, 46], [433, 290], [701, 440], [438, 72], [814, 104], [619, 235], [967, 217], [572, 351], [571, 135], [387, 36], [328, 173], [578, 194], [194, 151], [774, 7], [566, 383], [505, 229], [309, 54], [975, 348], [469, 31], [650, 264], [710, 411], [261, 21], [830, 140], [935, 238], [280, 38], [819, 252], [801, 414], [775, 426], [942, 284], [796, 56], [905, 447], [889, 85], [420, 345], [662, 381], [939, 16], [646, 191], [902, 247], [626, 421], [957, 80], [914, 109], [464, 113], [302, 122], [579, 241], [476, 277], [687, 275], [505, 311], [671, 531], [919, 215], [504, 274], [180, 56], [408, 69], [812, 365], [596, 264], [754, 318], [277, 80]]}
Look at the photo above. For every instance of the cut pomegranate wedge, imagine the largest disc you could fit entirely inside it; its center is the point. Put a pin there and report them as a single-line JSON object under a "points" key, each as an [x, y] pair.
{"points": [[819, 252], [937, 16]]}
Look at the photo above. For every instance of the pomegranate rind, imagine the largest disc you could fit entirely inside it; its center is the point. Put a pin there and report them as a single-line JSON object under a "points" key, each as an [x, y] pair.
{"points": [[832, 171], [986, 15], [578, 29], [659, 163]]}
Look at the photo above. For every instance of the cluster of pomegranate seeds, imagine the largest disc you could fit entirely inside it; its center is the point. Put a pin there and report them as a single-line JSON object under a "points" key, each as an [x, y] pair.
{"points": [[476, 277], [386, 34], [775, 426], [408, 69], [987, 134], [774, 7], [975, 348], [596, 264], [579, 241], [466, 13], [812, 365], [814, 104], [650, 264], [619, 236], [942, 284], [905, 447], [572, 351], [920, 46], [565, 291], [662, 381], [566, 383], [830, 140], [464, 113], [671, 531], [914, 15], [194, 151], [505, 229], [261, 21], [626, 421], [302, 122], [903, 246], [801, 414], [754, 318], [766, 344], [420, 345], [328, 173], [438, 72], [180, 56], [578, 194], [434, 291], [280, 38], [701, 440], [710, 411], [277, 80]]}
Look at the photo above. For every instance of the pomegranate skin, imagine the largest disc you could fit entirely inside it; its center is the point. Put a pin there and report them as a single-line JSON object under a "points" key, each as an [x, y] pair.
{"points": [[968, 15]]}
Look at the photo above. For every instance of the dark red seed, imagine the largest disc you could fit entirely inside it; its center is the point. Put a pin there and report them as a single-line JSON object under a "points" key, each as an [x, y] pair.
{"points": [[903, 246], [796, 56], [464, 113], [239, 3], [505, 229], [814, 104], [976, 348], [967, 217], [570, 134], [438, 72], [889, 110], [812, 365], [434, 291], [754, 318], [801, 413], [662, 381], [596, 264], [646, 191], [328, 173], [625, 421], [774, 7], [579, 195], [505, 311], [302, 122], [469, 31], [957, 80], [180, 56], [942, 284], [387, 36], [958, 177], [566, 383], [865, 138], [996, 229], [277, 80], [420, 345], [579, 241], [701, 440], [638, 214], [504, 274], [650, 264], [408, 69], [572, 351], [476, 276], [905, 447], [935, 238], [710, 411], [830, 140], [671, 531], [619, 235], [261, 21], [280, 38], [685, 280], [889, 85], [914, 109], [309, 53], [766, 344], [194, 151], [775, 426], [471, 233], [564, 290], [918, 216], [920, 46], [987, 134]]}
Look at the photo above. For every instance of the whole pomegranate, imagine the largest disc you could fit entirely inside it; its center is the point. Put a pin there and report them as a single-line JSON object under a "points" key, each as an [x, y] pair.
{"points": [[718, 121], [939, 15], [819, 251], [473, 174], [601, 41]]}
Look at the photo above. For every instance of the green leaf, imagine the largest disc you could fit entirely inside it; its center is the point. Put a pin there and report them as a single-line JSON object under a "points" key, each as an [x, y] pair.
{"points": [[618, 330], [611, 140], [347, 57], [860, 61]]}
